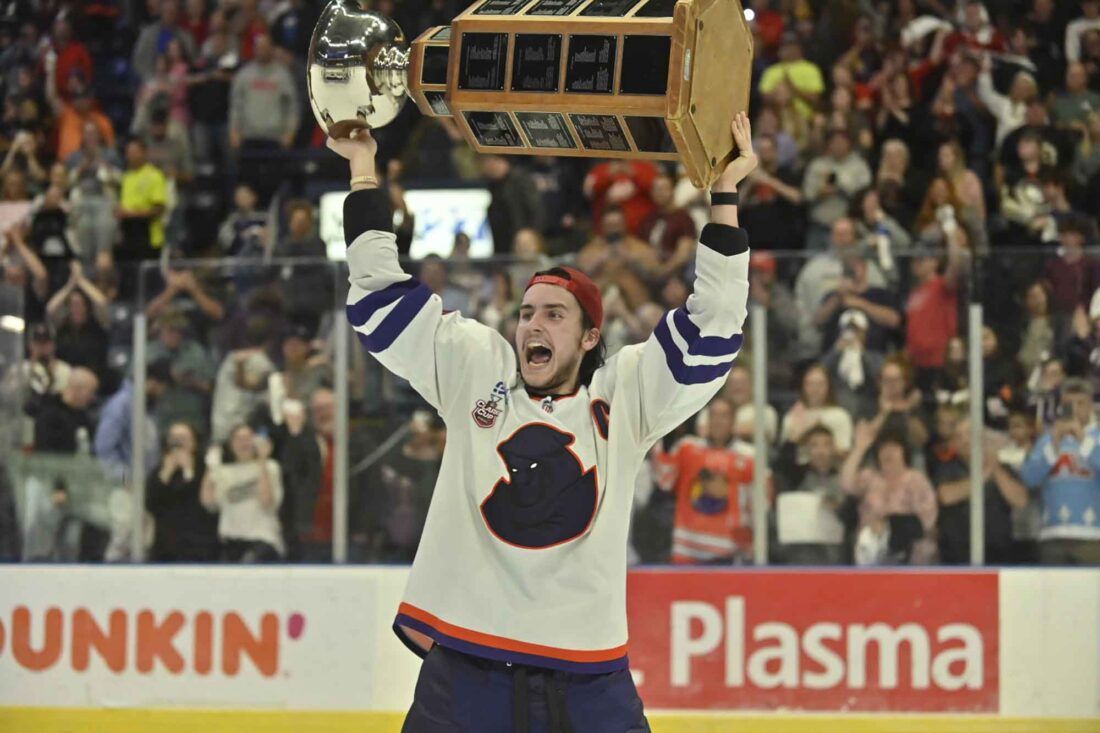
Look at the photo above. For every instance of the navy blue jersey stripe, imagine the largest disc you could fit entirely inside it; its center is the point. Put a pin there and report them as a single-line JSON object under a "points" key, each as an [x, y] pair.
{"points": [[361, 311], [704, 345], [681, 372], [396, 321]]}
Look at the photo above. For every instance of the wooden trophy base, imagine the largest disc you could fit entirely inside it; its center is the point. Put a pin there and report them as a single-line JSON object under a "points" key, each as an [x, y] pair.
{"points": [[650, 79]]}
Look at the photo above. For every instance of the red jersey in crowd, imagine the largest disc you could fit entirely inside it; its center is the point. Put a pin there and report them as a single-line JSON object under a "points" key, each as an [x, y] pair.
{"points": [[638, 206], [932, 320], [713, 487]]}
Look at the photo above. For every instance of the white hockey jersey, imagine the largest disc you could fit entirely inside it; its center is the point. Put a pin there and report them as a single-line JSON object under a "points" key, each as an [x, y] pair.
{"points": [[524, 551]]}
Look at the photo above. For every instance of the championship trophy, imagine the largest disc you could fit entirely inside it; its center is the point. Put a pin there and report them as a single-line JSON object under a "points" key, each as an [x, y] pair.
{"points": [[658, 79]]}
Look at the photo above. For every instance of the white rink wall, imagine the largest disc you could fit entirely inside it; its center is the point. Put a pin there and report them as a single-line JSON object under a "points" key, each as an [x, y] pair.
{"points": [[1011, 643]]}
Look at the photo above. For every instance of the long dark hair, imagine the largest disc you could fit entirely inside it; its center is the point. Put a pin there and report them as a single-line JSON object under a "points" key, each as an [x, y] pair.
{"points": [[593, 359]]}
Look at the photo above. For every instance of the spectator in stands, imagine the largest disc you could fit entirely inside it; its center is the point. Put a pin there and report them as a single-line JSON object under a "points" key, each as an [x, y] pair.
{"points": [[932, 310], [1063, 467], [169, 148], [897, 513], [1040, 333], [95, 171], [48, 233], [514, 204], [618, 258], [900, 188], [1027, 521], [23, 155], [1009, 110], [738, 391], [164, 93], [307, 288], [303, 371], [246, 489], [768, 290], [64, 422], [142, 203], [883, 238], [187, 399], [816, 406], [114, 436], [78, 313], [191, 295], [251, 29], [1078, 101], [853, 368], [39, 375], [313, 500], [712, 481], [1022, 198], [208, 93], [1083, 345], [68, 54], [951, 165], [1002, 490], [402, 485], [185, 531], [854, 293], [244, 232], [195, 21], [623, 184], [241, 385], [801, 77], [669, 230], [21, 269], [298, 450], [1074, 275], [264, 111], [433, 273], [74, 115], [818, 476], [830, 185], [63, 427], [154, 38], [771, 200], [1089, 21]]}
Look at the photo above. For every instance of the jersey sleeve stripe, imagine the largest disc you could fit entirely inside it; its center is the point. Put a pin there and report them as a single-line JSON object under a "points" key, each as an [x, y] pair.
{"points": [[397, 320], [361, 311], [674, 358], [704, 345]]}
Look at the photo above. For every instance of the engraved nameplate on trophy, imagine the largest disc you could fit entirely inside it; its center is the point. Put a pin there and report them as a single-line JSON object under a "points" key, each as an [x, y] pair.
{"points": [[546, 129]]}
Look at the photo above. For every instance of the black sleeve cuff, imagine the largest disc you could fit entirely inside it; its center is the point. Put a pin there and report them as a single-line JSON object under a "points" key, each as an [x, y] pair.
{"points": [[366, 210], [722, 238]]}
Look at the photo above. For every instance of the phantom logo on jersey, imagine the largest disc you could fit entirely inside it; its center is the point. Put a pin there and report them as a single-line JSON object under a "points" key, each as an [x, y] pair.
{"points": [[547, 497]]}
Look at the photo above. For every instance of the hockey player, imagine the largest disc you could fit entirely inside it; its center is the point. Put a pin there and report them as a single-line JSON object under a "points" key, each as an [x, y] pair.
{"points": [[517, 597]]}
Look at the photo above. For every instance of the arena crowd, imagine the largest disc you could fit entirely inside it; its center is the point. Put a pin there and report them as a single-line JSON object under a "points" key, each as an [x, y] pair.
{"points": [[916, 156]]}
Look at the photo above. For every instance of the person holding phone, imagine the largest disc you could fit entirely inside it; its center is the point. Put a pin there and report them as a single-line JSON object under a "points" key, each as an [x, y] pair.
{"points": [[185, 531], [1064, 468], [246, 490]]}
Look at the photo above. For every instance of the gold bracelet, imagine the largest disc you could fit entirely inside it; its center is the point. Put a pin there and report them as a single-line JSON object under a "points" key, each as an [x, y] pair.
{"points": [[366, 180]]}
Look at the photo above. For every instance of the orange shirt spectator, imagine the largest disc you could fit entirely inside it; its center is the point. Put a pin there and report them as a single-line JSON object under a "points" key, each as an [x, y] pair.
{"points": [[625, 183], [712, 480], [70, 125]]}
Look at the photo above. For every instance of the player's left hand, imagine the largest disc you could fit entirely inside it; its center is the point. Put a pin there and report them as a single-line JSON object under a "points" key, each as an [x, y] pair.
{"points": [[359, 148], [745, 162]]}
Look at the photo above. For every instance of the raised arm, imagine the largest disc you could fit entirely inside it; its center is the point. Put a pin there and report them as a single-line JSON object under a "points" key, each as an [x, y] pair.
{"points": [[398, 319], [684, 363]]}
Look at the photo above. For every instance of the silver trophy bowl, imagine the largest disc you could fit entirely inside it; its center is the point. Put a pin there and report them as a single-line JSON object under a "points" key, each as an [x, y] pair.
{"points": [[357, 68]]}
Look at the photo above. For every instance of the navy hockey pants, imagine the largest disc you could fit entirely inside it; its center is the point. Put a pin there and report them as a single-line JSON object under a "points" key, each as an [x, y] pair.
{"points": [[458, 693]]}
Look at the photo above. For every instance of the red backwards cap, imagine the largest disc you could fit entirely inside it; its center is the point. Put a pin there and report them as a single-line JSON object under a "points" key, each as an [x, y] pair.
{"points": [[580, 285]]}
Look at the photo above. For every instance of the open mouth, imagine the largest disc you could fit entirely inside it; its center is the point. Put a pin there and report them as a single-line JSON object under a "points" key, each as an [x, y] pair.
{"points": [[538, 354]]}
